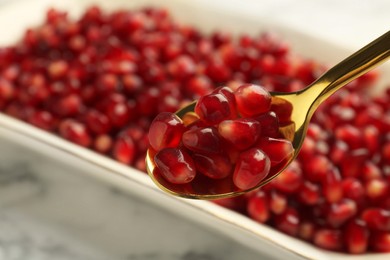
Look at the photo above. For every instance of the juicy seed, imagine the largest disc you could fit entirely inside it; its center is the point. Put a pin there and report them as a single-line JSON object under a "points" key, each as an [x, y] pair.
{"points": [[241, 132], [252, 100], [214, 108], [175, 165], [202, 140], [252, 166], [165, 131], [213, 166]]}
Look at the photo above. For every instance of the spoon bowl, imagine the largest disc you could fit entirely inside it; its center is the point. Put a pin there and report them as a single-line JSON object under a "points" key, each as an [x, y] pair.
{"points": [[302, 103]]}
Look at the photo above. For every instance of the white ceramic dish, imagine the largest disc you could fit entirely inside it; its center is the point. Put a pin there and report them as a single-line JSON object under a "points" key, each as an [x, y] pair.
{"points": [[236, 226]]}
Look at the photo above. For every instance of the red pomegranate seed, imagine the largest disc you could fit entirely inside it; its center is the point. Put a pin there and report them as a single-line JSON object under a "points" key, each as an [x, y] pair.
{"points": [[43, 119], [329, 239], [371, 171], [283, 110], [356, 237], [338, 152], [380, 241], [340, 212], [377, 219], [258, 207], [288, 222], [269, 124], [309, 193], [198, 86], [229, 94], [175, 165], [350, 135], [182, 67], [214, 108], [277, 202], [252, 166], [57, 69], [371, 138], [252, 100], [97, 122], [213, 166], [377, 189], [306, 230], [75, 132], [359, 157], [119, 114], [332, 186], [6, 90], [316, 169], [165, 131], [278, 150], [290, 180], [102, 143], [202, 140], [353, 189], [68, 106], [124, 150], [241, 132], [132, 84]]}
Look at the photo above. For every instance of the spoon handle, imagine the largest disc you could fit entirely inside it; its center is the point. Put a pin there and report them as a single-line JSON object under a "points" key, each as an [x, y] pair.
{"points": [[350, 68]]}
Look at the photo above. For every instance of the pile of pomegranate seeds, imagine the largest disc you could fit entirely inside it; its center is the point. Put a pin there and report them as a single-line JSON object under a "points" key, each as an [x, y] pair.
{"points": [[224, 138], [100, 80]]}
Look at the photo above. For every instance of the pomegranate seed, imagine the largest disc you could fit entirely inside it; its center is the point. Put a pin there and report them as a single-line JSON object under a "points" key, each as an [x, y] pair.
{"points": [[353, 189], [356, 237], [290, 180], [340, 212], [6, 90], [213, 166], [229, 94], [359, 157], [68, 106], [269, 124], [202, 140], [338, 152], [377, 219], [350, 135], [329, 239], [75, 132], [288, 222], [371, 171], [182, 67], [97, 122], [124, 150], [241, 132], [57, 69], [332, 186], [309, 193], [252, 166], [198, 86], [43, 120], [175, 165], [165, 131], [278, 150], [103, 143], [306, 230], [213, 109], [377, 189], [283, 111], [258, 207], [252, 100], [317, 168], [277, 202], [380, 241]]}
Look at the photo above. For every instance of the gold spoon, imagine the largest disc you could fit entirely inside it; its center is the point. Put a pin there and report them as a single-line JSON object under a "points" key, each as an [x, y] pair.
{"points": [[303, 102]]}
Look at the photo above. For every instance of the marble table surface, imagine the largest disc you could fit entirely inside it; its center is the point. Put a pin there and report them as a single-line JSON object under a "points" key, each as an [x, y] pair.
{"points": [[50, 211]]}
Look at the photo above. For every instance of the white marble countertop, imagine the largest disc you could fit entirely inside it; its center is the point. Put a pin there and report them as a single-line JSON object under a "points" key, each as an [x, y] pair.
{"points": [[49, 211]]}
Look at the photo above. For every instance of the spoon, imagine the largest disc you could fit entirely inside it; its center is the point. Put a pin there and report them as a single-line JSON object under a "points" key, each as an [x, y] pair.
{"points": [[303, 103]]}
